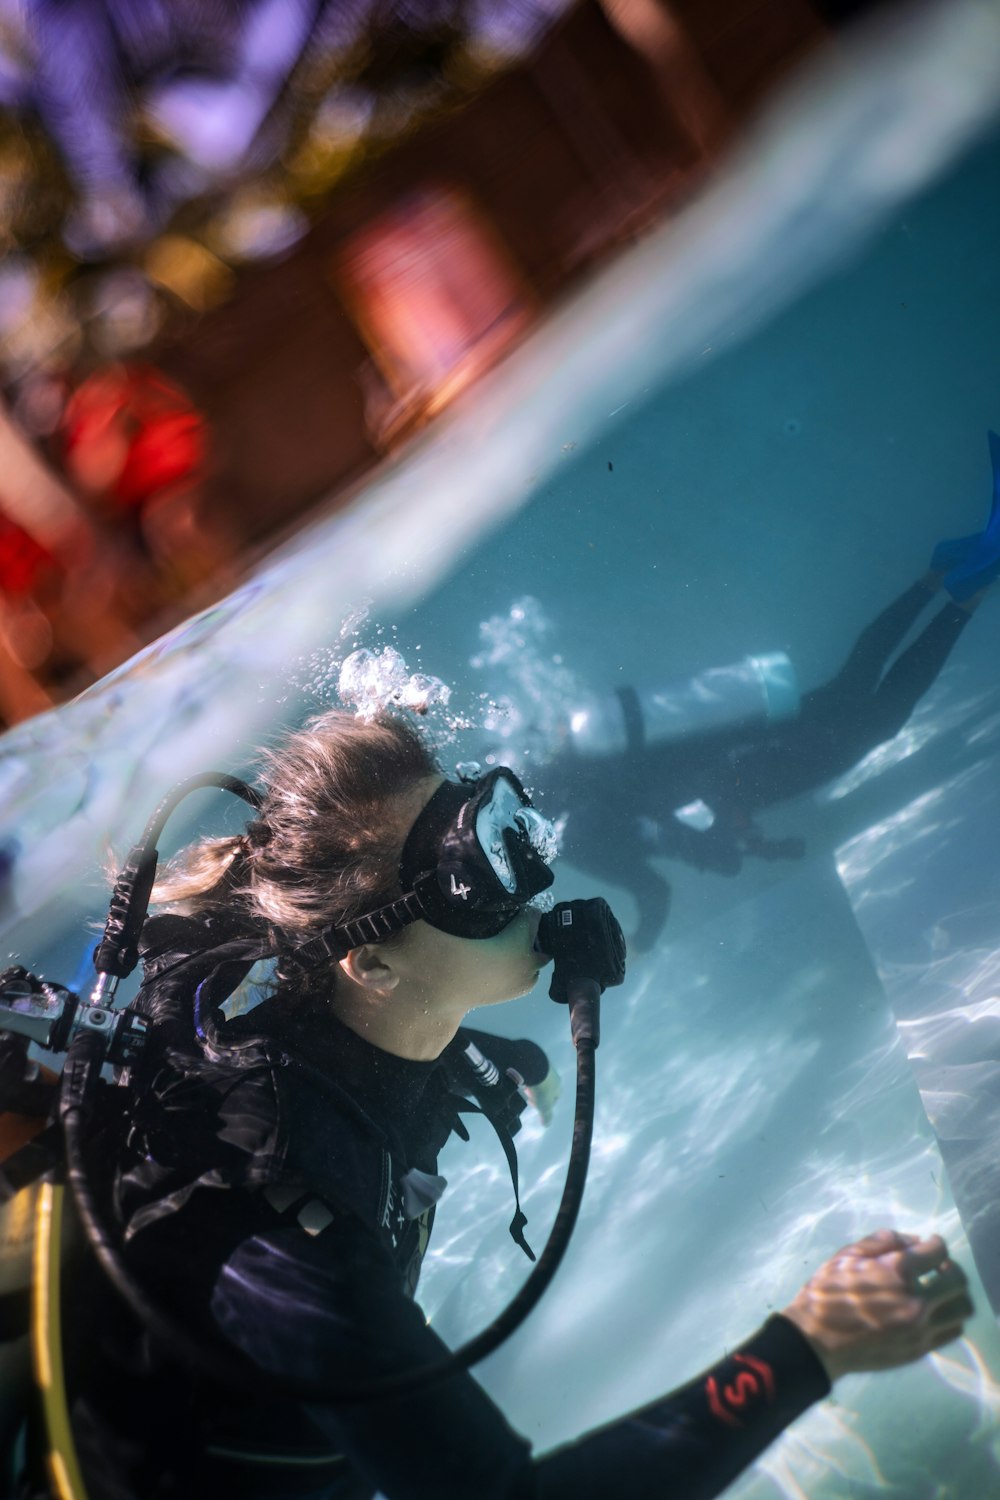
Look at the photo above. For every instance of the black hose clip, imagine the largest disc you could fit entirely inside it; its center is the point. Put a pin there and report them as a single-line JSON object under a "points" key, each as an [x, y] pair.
{"points": [[118, 951]]}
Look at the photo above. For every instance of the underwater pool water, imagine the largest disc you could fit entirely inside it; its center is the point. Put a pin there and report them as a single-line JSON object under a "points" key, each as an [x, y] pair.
{"points": [[759, 1077], [699, 459]]}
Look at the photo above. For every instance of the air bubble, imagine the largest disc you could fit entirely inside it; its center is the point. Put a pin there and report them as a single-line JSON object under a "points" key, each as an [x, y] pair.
{"points": [[373, 681], [530, 719]]}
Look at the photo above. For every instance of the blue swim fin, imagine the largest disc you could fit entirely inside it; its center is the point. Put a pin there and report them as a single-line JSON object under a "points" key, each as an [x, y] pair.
{"points": [[972, 563]]}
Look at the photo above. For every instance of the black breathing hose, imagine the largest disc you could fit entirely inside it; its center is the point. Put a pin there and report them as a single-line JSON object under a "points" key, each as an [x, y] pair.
{"points": [[118, 951]]}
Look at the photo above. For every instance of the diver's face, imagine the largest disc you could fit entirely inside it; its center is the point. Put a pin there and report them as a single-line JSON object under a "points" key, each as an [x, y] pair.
{"points": [[459, 973]]}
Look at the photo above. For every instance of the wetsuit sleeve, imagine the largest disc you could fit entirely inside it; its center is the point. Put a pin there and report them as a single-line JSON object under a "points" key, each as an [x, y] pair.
{"points": [[694, 1442], [330, 1309]]}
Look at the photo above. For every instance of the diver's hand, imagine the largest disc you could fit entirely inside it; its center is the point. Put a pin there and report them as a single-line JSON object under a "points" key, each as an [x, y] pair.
{"points": [[889, 1299]]}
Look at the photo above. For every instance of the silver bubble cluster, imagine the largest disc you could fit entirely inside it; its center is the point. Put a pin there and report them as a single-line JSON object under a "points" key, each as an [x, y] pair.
{"points": [[373, 681]]}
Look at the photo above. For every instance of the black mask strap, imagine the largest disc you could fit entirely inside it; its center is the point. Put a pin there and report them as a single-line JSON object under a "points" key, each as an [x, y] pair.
{"points": [[373, 927]]}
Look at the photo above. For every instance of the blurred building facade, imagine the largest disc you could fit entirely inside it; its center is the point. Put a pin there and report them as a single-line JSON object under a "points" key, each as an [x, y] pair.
{"points": [[502, 207], [205, 403]]}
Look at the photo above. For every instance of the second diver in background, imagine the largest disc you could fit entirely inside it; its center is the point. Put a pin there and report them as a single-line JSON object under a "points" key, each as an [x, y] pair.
{"points": [[731, 774]]}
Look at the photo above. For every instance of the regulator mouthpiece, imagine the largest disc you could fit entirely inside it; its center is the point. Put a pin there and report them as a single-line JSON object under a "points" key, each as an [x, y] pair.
{"points": [[586, 942]]}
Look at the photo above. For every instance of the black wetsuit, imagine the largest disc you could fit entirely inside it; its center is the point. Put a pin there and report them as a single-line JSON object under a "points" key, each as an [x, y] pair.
{"points": [[284, 1206], [622, 807]]}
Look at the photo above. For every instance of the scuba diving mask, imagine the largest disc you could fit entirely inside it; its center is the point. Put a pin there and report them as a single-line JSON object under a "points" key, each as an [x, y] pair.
{"points": [[477, 854], [474, 858]]}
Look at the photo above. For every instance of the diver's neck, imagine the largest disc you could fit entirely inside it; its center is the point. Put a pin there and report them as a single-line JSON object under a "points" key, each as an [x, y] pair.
{"points": [[416, 1032]]}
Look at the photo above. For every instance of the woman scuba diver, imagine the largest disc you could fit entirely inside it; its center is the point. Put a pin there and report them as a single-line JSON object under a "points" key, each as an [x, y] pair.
{"points": [[275, 1181]]}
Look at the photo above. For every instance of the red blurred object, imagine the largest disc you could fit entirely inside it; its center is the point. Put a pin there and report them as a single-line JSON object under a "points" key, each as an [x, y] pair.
{"points": [[23, 561], [435, 294], [130, 434]]}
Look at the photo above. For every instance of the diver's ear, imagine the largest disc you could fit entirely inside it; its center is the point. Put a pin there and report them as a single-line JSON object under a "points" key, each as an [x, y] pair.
{"points": [[367, 967]]}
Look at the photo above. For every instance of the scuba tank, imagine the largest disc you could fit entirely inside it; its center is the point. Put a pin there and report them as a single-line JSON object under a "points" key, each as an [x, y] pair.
{"points": [[25, 1093], [17, 1227], [757, 690]]}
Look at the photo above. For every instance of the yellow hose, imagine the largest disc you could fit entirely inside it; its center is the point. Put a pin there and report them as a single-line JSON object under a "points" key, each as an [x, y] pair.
{"points": [[46, 1344]]}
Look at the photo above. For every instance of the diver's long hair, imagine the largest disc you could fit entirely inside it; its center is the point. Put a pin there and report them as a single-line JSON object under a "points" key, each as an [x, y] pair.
{"points": [[325, 845]]}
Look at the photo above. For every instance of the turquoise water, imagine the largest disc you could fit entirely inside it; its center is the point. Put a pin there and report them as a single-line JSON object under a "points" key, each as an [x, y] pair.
{"points": [[745, 438], [758, 1107]]}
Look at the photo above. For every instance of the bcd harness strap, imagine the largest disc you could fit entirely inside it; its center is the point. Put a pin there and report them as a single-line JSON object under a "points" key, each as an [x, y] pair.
{"points": [[517, 1223]]}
